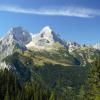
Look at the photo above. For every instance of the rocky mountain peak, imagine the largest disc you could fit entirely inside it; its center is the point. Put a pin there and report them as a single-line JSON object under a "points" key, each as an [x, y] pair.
{"points": [[16, 37], [16, 29], [46, 38], [47, 29], [19, 35], [47, 32]]}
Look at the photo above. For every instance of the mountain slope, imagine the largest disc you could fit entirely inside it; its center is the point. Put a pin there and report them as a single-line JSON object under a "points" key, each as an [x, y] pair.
{"points": [[48, 73]]}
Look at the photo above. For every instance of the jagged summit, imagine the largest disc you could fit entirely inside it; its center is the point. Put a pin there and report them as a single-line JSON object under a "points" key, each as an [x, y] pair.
{"points": [[46, 38], [20, 35], [14, 29], [47, 29], [16, 37]]}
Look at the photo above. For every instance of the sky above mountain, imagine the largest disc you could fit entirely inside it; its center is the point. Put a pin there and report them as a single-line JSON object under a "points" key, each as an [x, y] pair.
{"points": [[76, 20]]}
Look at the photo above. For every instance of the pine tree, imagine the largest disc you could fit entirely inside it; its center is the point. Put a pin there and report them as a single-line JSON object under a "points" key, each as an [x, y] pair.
{"points": [[81, 93], [52, 96], [92, 87], [7, 96]]}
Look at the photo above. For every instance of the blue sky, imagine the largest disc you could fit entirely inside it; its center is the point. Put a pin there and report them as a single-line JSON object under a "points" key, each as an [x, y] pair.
{"points": [[76, 20]]}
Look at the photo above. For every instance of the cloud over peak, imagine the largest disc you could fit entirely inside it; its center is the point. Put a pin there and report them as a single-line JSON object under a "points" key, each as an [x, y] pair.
{"points": [[61, 11]]}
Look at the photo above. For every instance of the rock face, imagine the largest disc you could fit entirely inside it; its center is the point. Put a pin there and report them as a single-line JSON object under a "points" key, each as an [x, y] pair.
{"points": [[19, 35], [16, 37], [72, 46], [46, 38]]}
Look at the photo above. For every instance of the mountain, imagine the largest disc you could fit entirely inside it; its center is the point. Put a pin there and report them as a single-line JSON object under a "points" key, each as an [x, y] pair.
{"points": [[45, 39], [17, 37], [44, 65], [47, 46]]}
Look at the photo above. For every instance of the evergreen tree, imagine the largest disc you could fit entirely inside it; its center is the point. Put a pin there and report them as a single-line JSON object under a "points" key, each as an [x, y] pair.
{"points": [[7, 96], [92, 88]]}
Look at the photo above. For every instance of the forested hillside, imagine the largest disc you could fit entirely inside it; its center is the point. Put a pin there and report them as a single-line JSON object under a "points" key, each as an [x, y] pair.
{"points": [[49, 81]]}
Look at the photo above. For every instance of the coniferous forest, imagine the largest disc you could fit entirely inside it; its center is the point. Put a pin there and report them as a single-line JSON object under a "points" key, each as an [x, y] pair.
{"points": [[11, 88]]}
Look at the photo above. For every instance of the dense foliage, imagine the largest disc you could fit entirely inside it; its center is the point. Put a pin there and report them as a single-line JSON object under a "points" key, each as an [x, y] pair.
{"points": [[11, 89], [49, 81], [92, 86]]}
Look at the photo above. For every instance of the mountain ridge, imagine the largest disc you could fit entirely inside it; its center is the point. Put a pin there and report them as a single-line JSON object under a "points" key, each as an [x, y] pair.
{"points": [[18, 39], [46, 37]]}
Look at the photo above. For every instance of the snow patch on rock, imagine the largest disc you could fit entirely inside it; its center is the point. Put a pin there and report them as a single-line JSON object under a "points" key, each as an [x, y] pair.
{"points": [[46, 38]]}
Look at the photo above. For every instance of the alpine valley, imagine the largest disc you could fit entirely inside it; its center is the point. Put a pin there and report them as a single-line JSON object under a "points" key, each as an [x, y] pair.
{"points": [[45, 67]]}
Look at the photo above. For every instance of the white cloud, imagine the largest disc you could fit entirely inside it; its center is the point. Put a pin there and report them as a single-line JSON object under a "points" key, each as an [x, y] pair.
{"points": [[65, 11]]}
